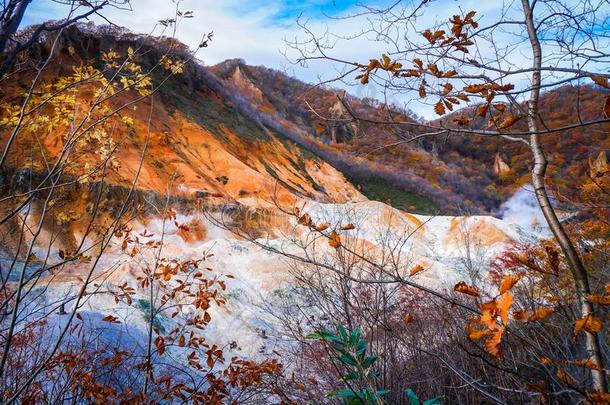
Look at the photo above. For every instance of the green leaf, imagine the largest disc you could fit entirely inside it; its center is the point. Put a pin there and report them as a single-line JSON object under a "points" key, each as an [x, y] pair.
{"points": [[434, 401], [413, 399], [355, 336], [314, 336], [346, 393], [343, 332], [368, 362], [352, 375], [348, 359]]}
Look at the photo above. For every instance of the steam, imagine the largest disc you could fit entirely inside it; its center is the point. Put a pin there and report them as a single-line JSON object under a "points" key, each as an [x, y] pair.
{"points": [[522, 209]]}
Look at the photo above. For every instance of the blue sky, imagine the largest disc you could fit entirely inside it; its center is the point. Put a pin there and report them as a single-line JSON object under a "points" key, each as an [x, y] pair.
{"points": [[257, 30]]}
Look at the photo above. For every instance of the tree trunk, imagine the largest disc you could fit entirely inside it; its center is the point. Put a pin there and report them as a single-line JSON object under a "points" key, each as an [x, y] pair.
{"points": [[577, 268]]}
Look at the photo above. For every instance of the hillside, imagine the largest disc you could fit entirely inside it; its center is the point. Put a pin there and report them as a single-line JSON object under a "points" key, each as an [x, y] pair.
{"points": [[172, 232], [453, 166]]}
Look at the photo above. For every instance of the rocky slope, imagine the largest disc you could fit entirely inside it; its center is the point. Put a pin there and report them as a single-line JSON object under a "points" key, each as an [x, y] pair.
{"points": [[220, 147]]}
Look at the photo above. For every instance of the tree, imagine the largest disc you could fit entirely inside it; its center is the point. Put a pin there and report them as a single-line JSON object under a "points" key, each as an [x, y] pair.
{"points": [[65, 111], [469, 59]]}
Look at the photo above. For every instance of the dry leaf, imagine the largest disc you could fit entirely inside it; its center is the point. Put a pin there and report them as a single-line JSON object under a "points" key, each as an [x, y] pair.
{"points": [[334, 240], [589, 323], [508, 282], [482, 110], [464, 288], [541, 313], [417, 269]]}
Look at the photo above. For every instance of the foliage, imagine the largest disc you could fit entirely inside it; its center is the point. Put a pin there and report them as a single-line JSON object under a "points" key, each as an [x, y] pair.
{"points": [[349, 349]]}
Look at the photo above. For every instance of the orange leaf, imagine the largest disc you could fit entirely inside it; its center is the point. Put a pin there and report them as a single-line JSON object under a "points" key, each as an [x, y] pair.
{"points": [[475, 333], [541, 313], [417, 269], [492, 345], [464, 288], [482, 110], [588, 363], [601, 81], [503, 304], [522, 315], [439, 108], [589, 323], [508, 282], [598, 299], [509, 121], [489, 313], [334, 240], [408, 318], [322, 227], [599, 398], [348, 227], [500, 107]]}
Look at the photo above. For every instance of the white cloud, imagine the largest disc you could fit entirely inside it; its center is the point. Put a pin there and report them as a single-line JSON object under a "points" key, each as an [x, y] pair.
{"points": [[255, 31]]}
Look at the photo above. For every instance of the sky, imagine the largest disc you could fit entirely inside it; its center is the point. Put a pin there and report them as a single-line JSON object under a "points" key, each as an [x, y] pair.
{"points": [[257, 30]]}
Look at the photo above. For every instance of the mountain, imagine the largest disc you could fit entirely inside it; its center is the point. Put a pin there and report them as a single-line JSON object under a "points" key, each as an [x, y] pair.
{"points": [[228, 166]]}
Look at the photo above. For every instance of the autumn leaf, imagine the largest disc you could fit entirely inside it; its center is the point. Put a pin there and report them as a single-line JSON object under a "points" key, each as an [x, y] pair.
{"points": [[111, 319], [334, 240], [598, 299], [447, 87], [475, 333], [417, 269], [509, 121], [348, 227], [439, 108], [475, 88], [601, 81], [589, 323], [588, 363], [385, 60], [541, 313], [522, 315], [503, 304], [500, 107], [502, 87], [508, 282], [408, 318], [464, 288], [492, 345], [599, 398], [322, 227], [482, 110], [422, 89]]}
